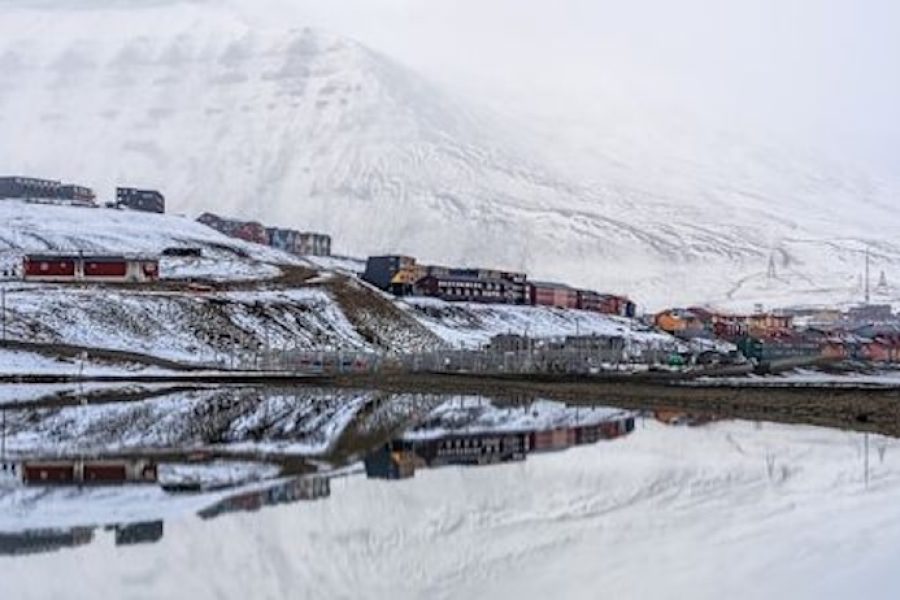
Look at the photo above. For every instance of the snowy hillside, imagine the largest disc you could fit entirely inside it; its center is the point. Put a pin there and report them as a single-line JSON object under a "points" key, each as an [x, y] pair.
{"points": [[471, 325], [306, 129], [27, 227]]}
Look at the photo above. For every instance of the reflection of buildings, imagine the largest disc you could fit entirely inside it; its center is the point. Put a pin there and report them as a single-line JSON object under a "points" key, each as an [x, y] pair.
{"points": [[294, 490], [468, 449], [389, 463], [672, 416], [148, 532], [400, 458], [34, 541], [44, 540], [87, 472]]}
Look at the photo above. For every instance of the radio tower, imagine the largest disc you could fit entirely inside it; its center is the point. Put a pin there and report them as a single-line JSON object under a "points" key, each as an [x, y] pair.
{"points": [[867, 274], [771, 271]]}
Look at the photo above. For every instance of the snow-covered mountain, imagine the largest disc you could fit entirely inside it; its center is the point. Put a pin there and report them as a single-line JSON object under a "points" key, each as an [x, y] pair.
{"points": [[304, 128]]}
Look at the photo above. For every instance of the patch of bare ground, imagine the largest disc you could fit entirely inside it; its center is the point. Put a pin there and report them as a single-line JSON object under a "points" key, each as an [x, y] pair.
{"points": [[378, 320]]}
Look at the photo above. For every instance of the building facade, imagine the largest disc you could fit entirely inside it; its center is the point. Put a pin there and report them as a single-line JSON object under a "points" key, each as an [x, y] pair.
{"points": [[541, 293], [77, 194], [32, 188], [63, 268], [250, 231], [143, 200], [464, 288], [302, 243], [393, 273]]}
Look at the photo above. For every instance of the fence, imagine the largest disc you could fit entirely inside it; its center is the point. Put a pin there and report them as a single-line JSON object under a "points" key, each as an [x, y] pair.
{"points": [[563, 361], [301, 361]]}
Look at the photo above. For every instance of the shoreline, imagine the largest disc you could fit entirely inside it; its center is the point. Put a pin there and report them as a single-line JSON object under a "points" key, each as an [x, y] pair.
{"points": [[860, 408]]}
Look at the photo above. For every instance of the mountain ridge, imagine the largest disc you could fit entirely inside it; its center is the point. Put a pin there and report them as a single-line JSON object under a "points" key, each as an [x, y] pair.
{"points": [[305, 128]]}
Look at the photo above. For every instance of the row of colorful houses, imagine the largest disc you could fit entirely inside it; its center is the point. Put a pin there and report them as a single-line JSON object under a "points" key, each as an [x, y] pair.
{"points": [[863, 333], [301, 243], [403, 275], [695, 321]]}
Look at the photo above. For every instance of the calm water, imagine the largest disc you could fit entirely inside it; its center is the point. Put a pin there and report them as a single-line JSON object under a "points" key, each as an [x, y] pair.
{"points": [[316, 494]]}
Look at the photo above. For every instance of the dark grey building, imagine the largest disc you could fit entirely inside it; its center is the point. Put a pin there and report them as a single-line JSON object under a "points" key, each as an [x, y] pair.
{"points": [[28, 187], [382, 271], [145, 200], [33, 188], [78, 194]]}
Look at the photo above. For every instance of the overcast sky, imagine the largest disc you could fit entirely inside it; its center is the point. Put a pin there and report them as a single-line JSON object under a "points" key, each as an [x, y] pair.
{"points": [[821, 71]]}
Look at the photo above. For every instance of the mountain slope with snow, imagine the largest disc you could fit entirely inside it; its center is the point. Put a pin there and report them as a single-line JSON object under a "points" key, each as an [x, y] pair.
{"points": [[307, 129], [31, 227]]}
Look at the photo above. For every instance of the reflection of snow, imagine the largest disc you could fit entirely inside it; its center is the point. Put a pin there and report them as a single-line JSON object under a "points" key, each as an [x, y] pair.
{"points": [[475, 415], [306, 422], [217, 474], [810, 378]]}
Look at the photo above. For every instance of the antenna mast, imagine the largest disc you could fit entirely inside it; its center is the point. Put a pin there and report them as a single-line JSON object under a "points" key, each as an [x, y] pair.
{"points": [[867, 274]]}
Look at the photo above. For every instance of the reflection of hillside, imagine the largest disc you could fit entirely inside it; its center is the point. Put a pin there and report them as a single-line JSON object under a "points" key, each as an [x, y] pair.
{"points": [[395, 434], [306, 421]]}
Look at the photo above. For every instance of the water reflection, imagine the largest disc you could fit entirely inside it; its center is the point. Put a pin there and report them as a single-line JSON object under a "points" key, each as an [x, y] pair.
{"points": [[287, 492], [34, 541], [241, 450], [453, 435], [73, 476]]}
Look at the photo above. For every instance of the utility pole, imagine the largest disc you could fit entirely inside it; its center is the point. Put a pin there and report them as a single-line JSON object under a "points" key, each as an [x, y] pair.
{"points": [[3, 310], [866, 438]]}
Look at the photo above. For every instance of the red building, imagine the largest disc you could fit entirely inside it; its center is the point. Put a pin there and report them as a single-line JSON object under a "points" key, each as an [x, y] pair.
{"points": [[607, 304], [80, 267], [252, 232], [552, 294]]}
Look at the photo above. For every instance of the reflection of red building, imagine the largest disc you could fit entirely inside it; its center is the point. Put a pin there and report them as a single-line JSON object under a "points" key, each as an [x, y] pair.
{"points": [[80, 472], [553, 439], [80, 267]]}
